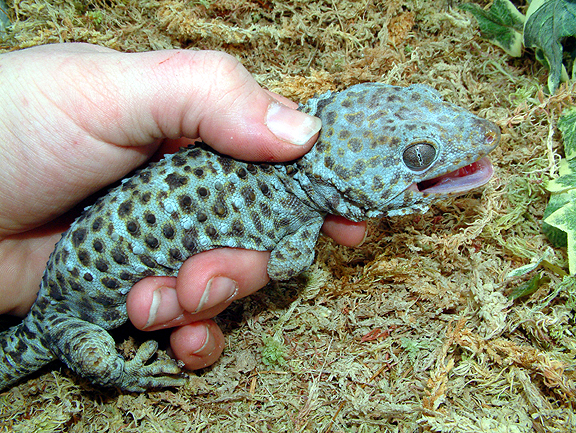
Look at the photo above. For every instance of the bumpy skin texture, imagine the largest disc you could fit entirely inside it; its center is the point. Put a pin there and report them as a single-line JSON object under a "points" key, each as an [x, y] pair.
{"points": [[197, 200]]}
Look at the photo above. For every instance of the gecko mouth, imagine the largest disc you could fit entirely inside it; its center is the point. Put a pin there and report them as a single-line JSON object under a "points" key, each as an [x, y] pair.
{"points": [[458, 181]]}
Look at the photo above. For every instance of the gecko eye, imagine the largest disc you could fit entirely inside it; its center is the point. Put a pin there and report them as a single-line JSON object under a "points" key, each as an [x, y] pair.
{"points": [[419, 156]]}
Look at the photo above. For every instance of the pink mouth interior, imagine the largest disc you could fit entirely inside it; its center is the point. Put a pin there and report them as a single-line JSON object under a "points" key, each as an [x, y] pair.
{"points": [[458, 181]]}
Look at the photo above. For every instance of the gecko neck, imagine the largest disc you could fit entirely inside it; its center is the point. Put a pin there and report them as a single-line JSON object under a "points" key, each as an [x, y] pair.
{"points": [[314, 188]]}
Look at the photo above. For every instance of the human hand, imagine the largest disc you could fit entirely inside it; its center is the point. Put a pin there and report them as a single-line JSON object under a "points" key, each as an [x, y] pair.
{"points": [[76, 117]]}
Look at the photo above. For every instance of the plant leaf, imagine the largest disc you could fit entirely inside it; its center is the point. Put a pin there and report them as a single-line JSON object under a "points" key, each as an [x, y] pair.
{"points": [[556, 236], [567, 125], [502, 25], [526, 289], [565, 220], [523, 270], [547, 23], [567, 179]]}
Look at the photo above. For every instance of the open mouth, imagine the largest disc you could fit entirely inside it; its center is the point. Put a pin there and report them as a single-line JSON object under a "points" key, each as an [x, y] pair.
{"points": [[459, 181]]}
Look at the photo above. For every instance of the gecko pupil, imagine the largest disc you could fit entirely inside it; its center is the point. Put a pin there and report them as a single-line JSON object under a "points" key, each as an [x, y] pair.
{"points": [[419, 156]]}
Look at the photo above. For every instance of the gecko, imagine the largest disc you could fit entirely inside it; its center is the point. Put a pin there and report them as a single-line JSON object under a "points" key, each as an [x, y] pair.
{"points": [[382, 151]]}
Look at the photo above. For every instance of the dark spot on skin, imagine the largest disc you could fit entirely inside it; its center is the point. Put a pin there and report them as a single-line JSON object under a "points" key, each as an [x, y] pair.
{"points": [[133, 228], [251, 168], [111, 316], [195, 152], [101, 265], [97, 224], [178, 160], [189, 243], [199, 173], [144, 177], [329, 162], [175, 180], [237, 228], [344, 134], [150, 219], [265, 209], [98, 246], [88, 276], [176, 254], [125, 209], [185, 202], [282, 222], [290, 170], [202, 192], [265, 190], [74, 285], [248, 195], [257, 222], [355, 119], [84, 257], [226, 164], [55, 292], [330, 118], [147, 261], [151, 241], [104, 300], [129, 184], [220, 210], [202, 217], [355, 145], [211, 232], [111, 283], [126, 276], [78, 236], [119, 256], [168, 231], [145, 198], [241, 173]]}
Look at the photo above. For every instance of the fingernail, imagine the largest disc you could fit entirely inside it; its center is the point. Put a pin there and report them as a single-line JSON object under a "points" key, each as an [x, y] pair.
{"points": [[363, 239], [171, 308], [291, 125], [206, 342], [218, 290]]}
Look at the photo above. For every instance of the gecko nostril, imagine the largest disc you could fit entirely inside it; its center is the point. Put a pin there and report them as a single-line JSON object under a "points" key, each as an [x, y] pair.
{"points": [[493, 135]]}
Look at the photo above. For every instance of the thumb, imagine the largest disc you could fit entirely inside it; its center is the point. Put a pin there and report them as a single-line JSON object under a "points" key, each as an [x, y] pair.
{"points": [[83, 116], [175, 93]]}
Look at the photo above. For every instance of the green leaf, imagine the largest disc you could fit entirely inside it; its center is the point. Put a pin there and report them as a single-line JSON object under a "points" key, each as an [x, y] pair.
{"points": [[547, 23], [556, 236], [565, 220], [523, 270], [567, 125], [502, 25], [563, 188], [526, 289], [567, 179]]}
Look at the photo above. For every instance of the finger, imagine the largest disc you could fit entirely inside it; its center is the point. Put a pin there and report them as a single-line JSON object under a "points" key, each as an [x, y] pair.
{"points": [[343, 231], [176, 93], [198, 344], [207, 283], [222, 275]]}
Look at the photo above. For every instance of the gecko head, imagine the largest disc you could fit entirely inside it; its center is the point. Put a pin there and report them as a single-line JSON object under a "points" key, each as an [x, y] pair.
{"points": [[388, 150]]}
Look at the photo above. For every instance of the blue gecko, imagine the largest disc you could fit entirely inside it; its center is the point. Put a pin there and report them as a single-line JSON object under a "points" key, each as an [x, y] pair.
{"points": [[382, 151]]}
